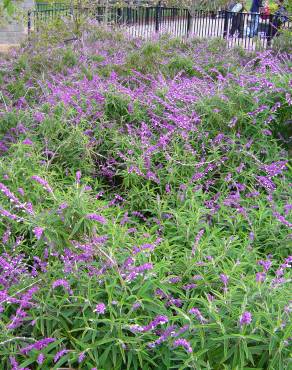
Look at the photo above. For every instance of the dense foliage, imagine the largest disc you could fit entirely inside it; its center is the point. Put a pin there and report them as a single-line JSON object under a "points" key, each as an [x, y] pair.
{"points": [[144, 206]]}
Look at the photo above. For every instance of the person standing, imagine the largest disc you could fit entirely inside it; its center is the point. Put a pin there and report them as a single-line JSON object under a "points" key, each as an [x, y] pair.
{"points": [[279, 18], [255, 17], [238, 19]]}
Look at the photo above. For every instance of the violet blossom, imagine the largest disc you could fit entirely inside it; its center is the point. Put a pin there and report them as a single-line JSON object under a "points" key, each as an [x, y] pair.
{"points": [[245, 318], [40, 344], [100, 308], [195, 311], [96, 217], [38, 232], [183, 343]]}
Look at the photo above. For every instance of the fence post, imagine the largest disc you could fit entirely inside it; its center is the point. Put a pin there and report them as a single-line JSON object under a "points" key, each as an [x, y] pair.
{"points": [[119, 15], [28, 22], [189, 23], [270, 31], [129, 20], [147, 16], [225, 27], [157, 16]]}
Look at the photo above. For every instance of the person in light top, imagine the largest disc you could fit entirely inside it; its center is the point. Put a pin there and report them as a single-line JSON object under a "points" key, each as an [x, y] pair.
{"points": [[238, 19]]}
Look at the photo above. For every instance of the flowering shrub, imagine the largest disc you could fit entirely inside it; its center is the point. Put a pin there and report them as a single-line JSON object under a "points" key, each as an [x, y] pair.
{"points": [[144, 207]]}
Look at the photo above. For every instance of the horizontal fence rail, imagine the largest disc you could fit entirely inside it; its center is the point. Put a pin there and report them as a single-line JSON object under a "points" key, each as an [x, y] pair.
{"points": [[248, 30]]}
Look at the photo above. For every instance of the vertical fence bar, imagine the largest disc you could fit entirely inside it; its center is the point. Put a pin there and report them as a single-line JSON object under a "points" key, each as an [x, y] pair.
{"points": [[225, 27], [245, 30], [157, 11], [28, 22], [270, 31], [189, 21]]}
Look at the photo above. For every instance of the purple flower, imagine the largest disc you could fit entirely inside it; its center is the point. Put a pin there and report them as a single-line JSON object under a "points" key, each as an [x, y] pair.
{"points": [[267, 132], [21, 191], [136, 305], [17, 320], [210, 297], [266, 264], [224, 278], [42, 182], [6, 235], [275, 168], [81, 357], [37, 345], [159, 320], [39, 117], [266, 183], [197, 277], [27, 141], [100, 308], [78, 177], [135, 271], [60, 354], [169, 332], [96, 217], [173, 302], [282, 219], [245, 318], [136, 328], [175, 279], [189, 286], [63, 283], [260, 277], [253, 194], [195, 311], [41, 358], [183, 343], [167, 188], [197, 240], [143, 247], [38, 232], [287, 209]]}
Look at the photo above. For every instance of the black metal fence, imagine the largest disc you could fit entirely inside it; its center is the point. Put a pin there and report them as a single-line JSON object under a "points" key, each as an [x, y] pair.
{"points": [[249, 30]]}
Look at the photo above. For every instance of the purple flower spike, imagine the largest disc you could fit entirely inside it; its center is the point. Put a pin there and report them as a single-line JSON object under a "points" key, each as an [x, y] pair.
{"points": [[95, 217], [27, 141], [183, 343], [38, 232], [63, 283], [159, 320], [81, 357], [42, 182], [41, 358], [245, 318], [224, 278], [195, 311], [100, 308], [260, 277], [37, 345], [60, 354], [78, 177]]}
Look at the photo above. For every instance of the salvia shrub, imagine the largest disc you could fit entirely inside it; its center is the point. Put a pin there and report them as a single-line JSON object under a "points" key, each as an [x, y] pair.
{"points": [[144, 206]]}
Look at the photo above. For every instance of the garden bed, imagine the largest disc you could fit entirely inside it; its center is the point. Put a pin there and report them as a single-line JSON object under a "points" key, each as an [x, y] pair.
{"points": [[144, 205]]}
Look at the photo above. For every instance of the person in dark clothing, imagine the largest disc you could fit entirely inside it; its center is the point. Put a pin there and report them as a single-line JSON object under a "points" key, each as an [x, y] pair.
{"points": [[255, 6], [279, 18], [238, 19], [255, 18]]}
